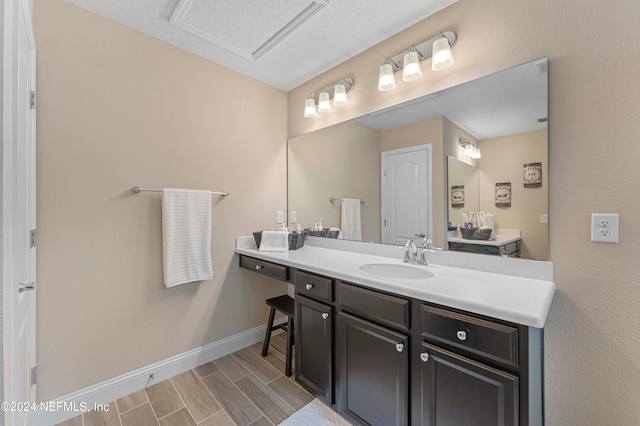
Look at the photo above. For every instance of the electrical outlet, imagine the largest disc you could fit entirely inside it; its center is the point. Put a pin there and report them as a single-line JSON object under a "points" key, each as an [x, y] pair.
{"points": [[544, 218], [604, 228], [279, 216], [294, 217]]}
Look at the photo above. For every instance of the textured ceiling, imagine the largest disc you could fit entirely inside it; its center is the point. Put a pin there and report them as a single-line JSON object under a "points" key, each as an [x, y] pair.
{"points": [[283, 43]]}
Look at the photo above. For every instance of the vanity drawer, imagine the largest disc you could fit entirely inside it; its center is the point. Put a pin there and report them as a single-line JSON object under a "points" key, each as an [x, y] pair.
{"points": [[485, 338], [314, 286], [269, 269], [380, 307]]}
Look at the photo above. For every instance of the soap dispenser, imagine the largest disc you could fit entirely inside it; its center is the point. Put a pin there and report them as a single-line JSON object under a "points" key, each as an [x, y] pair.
{"points": [[320, 228]]}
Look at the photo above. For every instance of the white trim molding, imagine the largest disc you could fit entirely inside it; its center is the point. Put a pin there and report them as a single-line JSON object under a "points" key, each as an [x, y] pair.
{"points": [[62, 408]]}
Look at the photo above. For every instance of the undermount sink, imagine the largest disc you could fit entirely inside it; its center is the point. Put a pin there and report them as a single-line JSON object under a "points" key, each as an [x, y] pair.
{"points": [[393, 270]]}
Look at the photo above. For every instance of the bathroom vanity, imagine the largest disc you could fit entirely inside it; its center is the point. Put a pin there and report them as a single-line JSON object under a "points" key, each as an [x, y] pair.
{"points": [[386, 343], [507, 244]]}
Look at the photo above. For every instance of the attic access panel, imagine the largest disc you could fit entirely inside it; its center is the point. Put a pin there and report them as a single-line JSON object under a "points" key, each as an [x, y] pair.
{"points": [[247, 28]]}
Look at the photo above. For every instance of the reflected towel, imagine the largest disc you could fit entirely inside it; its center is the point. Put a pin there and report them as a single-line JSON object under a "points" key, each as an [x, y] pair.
{"points": [[186, 236], [351, 221], [274, 241]]}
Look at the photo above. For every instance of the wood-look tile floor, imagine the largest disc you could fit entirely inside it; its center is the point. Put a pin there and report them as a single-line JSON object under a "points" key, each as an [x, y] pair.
{"points": [[242, 389]]}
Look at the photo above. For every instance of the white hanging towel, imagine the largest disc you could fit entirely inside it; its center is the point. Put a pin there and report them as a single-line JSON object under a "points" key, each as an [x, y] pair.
{"points": [[351, 221], [186, 236]]}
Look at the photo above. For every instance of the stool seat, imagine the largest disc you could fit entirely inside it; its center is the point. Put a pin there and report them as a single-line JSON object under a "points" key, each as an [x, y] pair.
{"points": [[285, 305]]}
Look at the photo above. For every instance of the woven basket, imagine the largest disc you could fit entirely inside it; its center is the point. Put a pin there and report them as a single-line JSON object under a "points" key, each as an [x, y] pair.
{"points": [[296, 240], [475, 233]]}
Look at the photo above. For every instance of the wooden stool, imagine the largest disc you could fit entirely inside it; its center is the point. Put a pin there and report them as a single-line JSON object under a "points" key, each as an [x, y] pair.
{"points": [[283, 304]]}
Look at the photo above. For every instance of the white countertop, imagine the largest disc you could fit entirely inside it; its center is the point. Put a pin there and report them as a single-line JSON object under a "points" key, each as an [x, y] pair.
{"points": [[511, 298], [503, 237]]}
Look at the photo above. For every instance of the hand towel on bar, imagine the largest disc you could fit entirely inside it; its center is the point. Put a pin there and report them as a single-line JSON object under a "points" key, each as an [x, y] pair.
{"points": [[351, 222], [274, 241], [186, 236]]}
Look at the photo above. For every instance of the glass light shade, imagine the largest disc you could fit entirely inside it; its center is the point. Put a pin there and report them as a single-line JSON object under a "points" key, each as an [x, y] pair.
{"points": [[310, 108], [340, 95], [411, 67], [441, 58], [476, 154], [324, 105], [386, 80], [468, 150]]}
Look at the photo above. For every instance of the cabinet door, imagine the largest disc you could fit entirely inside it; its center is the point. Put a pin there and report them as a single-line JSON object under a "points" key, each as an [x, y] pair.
{"points": [[314, 347], [373, 373], [459, 391]]}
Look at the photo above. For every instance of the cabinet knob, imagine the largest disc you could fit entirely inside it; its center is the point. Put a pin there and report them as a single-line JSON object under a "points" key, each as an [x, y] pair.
{"points": [[461, 335], [258, 267], [424, 356], [308, 286], [325, 315], [399, 347]]}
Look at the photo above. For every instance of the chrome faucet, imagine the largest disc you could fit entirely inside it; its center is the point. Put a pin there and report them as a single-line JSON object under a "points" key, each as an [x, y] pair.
{"points": [[426, 246], [410, 251]]}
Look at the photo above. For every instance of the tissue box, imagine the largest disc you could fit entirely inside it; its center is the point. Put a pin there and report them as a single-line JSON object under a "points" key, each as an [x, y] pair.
{"points": [[295, 240]]}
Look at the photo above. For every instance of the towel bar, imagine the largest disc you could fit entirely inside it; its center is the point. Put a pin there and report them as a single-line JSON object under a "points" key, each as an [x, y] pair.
{"points": [[331, 200], [136, 190]]}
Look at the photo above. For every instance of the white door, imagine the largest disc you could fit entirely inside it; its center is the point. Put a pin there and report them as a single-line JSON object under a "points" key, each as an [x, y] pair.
{"points": [[18, 205], [406, 194]]}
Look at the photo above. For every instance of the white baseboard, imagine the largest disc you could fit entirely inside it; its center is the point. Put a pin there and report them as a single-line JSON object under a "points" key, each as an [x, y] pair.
{"points": [[69, 405]]}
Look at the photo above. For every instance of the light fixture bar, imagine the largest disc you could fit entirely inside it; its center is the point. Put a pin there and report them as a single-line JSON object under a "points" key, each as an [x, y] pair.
{"points": [[347, 82], [423, 49]]}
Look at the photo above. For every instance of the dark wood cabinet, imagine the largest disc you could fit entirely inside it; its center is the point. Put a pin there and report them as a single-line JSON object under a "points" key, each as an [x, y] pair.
{"points": [[395, 360], [373, 373], [314, 347], [456, 390]]}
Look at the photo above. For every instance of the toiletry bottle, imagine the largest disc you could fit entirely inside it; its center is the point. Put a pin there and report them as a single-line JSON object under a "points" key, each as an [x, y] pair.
{"points": [[320, 225], [299, 229]]}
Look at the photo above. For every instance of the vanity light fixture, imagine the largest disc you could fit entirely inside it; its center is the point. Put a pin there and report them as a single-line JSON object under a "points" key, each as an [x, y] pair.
{"points": [[337, 92], [470, 150], [386, 79], [437, 48], [310, 108], [324, 104]]}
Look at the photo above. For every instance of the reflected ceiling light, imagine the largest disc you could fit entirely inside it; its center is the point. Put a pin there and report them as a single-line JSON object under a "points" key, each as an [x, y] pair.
{"points": [[337, 91], [470, 150], [310, 108], [442, 58], [437, 48], [411, 69]]}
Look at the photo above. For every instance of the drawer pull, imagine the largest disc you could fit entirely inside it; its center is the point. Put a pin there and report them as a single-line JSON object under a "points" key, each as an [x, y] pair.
{"points": [[424, 356], [258, 267], [461, 335], [399, 347], [325, 315], [308, 286]]}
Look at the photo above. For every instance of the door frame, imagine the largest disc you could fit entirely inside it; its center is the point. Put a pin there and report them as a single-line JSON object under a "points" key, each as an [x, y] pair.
{"points": [[13, 10], [383, 194]]}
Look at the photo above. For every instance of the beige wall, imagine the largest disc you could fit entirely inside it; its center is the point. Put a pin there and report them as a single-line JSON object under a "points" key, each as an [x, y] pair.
{"points": [[502, 161], [117, 108], [461, 173], [420, 133], [341, 161], [592, 343]]}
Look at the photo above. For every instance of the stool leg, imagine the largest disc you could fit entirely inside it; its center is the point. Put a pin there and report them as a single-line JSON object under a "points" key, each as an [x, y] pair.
{"points": [[289, 346], [267, 335]]}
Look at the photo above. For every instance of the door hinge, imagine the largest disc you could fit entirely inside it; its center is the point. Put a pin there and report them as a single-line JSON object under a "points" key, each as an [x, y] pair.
{"points": [[384, 172], [385, 222], [32, 101], [32, 238], [34, 375]]}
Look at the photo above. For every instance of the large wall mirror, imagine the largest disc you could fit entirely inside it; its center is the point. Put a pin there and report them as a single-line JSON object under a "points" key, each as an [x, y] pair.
{"points": [[408, 171]]}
